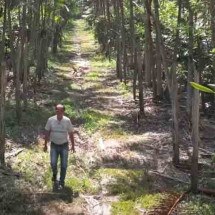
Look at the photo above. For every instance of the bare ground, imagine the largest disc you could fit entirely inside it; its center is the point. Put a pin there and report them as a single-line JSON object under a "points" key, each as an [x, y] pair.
{"points": [[145, 146]]}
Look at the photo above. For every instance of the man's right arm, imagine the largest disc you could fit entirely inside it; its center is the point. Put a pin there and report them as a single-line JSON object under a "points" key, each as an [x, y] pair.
{"points": [[47, 135]]}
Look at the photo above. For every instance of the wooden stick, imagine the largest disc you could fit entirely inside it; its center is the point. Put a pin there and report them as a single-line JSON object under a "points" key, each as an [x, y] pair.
{"points": [[176, 202], [205, 150], [207, 191], [13, 154]]}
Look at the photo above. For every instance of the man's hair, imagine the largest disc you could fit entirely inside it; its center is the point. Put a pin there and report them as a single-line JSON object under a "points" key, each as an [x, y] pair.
{"points": [[60, 106]]}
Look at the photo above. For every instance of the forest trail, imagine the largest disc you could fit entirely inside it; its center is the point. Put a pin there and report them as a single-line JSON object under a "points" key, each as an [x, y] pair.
{"points": [[118, 162], [118, 146]]}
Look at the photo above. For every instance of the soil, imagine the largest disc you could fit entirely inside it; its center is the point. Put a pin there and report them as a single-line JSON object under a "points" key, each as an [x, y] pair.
{"points": [[147, 144]]}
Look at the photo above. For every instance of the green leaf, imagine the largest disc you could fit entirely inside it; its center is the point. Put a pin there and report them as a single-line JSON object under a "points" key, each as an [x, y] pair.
{"points": [[213, 51], [201, 88]]}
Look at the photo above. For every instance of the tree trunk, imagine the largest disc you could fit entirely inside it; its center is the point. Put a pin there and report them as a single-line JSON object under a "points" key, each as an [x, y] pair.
{"points": [[148, 44], [190, 61], [24, 56], [135, 75], [2, 90], [18, 83], [133, 48], [2, 110], [140, 84], [212, 11], [158, 70], [195, 136], [174, 90], [171, 82], [122, 26], [118, 41]]}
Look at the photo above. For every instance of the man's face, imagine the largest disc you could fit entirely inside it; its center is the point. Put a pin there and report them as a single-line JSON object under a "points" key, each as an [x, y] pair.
{"points": [[59, 111]]}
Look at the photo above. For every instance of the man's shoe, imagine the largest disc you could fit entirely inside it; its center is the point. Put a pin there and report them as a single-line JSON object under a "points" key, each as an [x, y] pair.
{"points": [[55, 185], [61, 185]]}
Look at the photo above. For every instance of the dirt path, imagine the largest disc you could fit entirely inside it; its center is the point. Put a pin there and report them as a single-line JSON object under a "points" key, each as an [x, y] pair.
{"points": [[119, 166], [147, 147]]}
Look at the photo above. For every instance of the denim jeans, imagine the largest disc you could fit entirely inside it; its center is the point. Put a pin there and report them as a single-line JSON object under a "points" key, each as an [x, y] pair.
{"points": [[62, 151]]}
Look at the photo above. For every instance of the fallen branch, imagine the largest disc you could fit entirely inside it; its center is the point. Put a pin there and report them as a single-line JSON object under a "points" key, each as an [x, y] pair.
{"points": [[13, 154], [206, 151], [207, 191], [177, 201], [168, 177]]}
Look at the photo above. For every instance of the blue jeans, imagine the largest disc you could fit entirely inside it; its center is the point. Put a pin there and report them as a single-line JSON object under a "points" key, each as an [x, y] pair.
{"points": [[62, 151]]}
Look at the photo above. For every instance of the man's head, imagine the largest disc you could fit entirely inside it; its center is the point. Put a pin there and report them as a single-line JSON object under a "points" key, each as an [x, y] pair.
{"points": [[59, 108]]}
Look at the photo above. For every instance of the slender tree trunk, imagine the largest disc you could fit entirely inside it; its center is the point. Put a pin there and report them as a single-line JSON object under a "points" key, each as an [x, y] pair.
{"points": [[2, 110], [190, 61], [171, 80], [2, 90], [174, 99], [158, 70], [212, 11], [16, 67], [160, 43], [18, 83], [124, 57], [24, 55], [140, 84], [134, 49], [195, 136], [148, 44], [119, 42]]}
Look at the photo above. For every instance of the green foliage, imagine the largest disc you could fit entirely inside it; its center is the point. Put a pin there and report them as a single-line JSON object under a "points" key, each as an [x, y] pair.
{"points": [[30, 170], [129, 184], [168, 14], [78, 184], [123, 88], [92, 76], [94, 120], [149, 201], [201, 88], [199, 206], [100, 61], [124, 208], [70, 111]]}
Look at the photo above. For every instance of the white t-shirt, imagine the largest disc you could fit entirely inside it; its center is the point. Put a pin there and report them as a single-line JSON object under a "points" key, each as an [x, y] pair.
{"points": [[59, 129]]}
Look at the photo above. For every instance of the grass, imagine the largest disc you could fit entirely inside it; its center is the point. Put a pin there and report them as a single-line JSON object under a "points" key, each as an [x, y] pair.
{"points": [[92, 76], [132, 186], [94, 120], [75, 86], [197, 205], [124, 208], [39, 173], [33, 171], [100, 61], [129, 184], [86, 36]]}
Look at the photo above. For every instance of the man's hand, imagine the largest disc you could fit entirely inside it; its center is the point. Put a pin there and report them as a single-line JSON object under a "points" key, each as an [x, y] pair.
{"points": [[47, 135], [71, 148], [72, 144], [45, 148]]}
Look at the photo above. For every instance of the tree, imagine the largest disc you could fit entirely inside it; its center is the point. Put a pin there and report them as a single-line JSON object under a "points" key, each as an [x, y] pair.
{"points": [[2, 88]]}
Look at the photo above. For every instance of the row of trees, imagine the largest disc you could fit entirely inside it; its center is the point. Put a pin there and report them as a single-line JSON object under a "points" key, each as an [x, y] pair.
{"points": [[167, 44], [29, 29]]}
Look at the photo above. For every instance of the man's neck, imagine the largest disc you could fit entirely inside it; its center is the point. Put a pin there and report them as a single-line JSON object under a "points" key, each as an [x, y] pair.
{"points": [[59, 118]]}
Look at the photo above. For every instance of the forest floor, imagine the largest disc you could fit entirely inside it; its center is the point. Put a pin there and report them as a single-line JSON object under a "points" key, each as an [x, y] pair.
{"points": [[120, 166]]}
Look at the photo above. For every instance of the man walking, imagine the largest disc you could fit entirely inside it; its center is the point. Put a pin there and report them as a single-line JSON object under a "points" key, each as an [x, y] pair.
{"points": [[58, 128]]}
